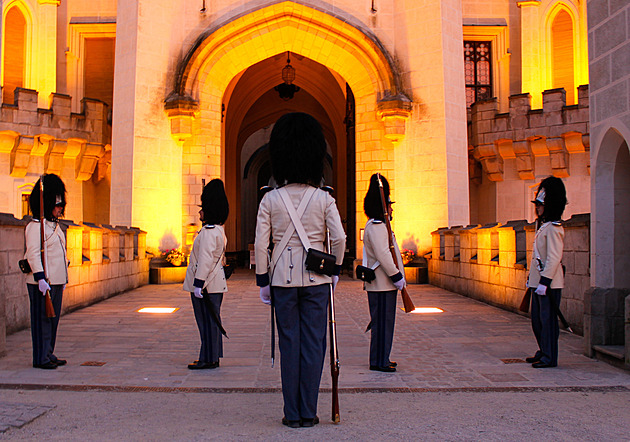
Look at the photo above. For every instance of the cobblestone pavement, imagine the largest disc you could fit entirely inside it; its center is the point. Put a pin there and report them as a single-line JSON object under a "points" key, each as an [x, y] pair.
{"points": [[111, 347], [460, 348]]}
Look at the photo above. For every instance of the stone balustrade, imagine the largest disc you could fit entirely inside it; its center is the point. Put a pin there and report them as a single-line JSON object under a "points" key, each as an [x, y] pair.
{"points": [[104, 261], [490, 263]]}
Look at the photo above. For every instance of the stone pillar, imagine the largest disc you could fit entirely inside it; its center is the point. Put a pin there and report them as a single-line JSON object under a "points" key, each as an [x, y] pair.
{"points": [[45, 62], [531, 80], [146, 168], [431, 163]]}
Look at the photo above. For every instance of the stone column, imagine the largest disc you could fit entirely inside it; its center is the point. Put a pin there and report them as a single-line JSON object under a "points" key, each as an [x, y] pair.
{"points": [[44, 69], [431, 163], [531, 81], [146, 161]]}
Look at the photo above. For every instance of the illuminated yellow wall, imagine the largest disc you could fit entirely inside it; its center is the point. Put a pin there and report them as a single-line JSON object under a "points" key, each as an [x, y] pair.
{"points": [[146, 162]]}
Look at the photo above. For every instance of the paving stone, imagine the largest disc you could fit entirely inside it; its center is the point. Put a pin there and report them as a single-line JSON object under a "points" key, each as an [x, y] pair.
{"points": [[460, 348]]}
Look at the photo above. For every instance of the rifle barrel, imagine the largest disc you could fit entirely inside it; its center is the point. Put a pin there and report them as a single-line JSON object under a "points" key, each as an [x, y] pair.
{"points": [[50, 310], [407, 302]]}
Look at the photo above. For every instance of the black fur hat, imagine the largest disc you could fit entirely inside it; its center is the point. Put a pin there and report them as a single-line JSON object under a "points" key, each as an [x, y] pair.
{"points": [[372, 205], [553, 195], [54, 195], [297, 147], [214, 203]]}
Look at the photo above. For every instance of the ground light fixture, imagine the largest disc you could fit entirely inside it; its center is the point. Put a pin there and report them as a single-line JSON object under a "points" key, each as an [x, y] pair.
{"points": [[159, 310], [427, 310]]}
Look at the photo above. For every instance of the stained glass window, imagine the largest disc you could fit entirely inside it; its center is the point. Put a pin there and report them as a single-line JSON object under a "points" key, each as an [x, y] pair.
{"points": [[478, 71]]}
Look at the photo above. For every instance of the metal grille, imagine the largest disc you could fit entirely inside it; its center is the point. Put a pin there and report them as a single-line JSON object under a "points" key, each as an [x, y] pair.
{"points": [[513, 361], [477, 70]]}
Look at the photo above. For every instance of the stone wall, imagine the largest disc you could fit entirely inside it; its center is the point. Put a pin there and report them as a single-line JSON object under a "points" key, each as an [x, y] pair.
{"points": [[104, 261], [510, 152], [75, 146], [489, 263], [55, 133]]}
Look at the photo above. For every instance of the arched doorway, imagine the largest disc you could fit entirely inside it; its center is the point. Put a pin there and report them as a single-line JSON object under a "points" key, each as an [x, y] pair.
{"points": [[225, 85], [610, 236], [253, 105]]}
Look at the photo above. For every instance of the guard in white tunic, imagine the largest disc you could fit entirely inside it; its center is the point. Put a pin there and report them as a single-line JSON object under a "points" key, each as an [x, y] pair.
{"points": [[300, 297], [205, 277], [388, 274], [55, 278], [546, 275]]}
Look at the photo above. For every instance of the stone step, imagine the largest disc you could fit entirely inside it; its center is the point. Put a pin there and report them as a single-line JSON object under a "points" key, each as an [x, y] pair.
{"points": [[614, 351]]}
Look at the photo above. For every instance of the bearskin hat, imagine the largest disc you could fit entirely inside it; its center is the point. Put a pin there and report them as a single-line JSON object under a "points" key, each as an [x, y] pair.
{"points": [[297, 148], [372, 205], [553, 195], [54, 195], [214, 203]]}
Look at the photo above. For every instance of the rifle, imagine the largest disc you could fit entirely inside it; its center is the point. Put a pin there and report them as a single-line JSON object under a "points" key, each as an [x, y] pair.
{"points": [[332, 332], [407, 302], [50, 310]]}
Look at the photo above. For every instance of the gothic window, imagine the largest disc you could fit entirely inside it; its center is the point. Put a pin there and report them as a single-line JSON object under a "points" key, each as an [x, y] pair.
{"points": [[562, 54], [14, 53], [478, 71]]}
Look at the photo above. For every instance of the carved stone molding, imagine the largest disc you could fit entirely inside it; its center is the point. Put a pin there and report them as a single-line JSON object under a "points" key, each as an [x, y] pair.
{"points": [[394, 111], [559, 157], [8, 140], [524, 160], [181, 111], [21, 155], [104, 164], [490, 160], [53, 160], [87, 160], [538, 146]]}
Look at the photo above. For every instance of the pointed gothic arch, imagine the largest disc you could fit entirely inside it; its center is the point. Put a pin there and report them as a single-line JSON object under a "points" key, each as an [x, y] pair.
{"points": [[196, 105], [16, 59]]}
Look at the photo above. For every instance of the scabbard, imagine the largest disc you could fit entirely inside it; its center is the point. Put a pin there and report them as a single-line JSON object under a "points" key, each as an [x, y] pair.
{"points": [[557, 311], [524, 307], [273, 327], [213, 312]]}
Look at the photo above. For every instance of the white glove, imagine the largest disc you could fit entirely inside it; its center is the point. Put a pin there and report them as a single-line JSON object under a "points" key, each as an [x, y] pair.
{"points": [[541, 290], [197, 292], [335, 280], [265, 295], [400, 284], [43, 286]]}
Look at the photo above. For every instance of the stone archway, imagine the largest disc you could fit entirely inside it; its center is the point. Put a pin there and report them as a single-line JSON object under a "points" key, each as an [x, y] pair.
{"points": [[611, 212], [210, 70], [610, 234]]}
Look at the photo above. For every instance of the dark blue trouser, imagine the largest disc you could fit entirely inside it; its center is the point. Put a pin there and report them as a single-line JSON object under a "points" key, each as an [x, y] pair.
{"points": [[43, 329], [545, 325], [211, 338], [301, 316], [383, 317]]}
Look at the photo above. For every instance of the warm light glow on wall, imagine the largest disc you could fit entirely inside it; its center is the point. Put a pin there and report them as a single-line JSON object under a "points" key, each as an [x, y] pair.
{"points": [[160, 310]]}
